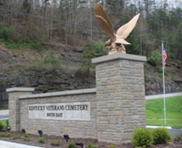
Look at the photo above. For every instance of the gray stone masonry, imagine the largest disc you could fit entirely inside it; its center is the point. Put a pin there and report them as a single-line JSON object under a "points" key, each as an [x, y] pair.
{"points": [[74, 128], [14, 106], [120, 96], [18, 113]]}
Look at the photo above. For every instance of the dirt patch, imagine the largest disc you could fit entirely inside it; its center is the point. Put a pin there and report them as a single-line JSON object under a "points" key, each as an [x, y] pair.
{"points": [[50, 138]]}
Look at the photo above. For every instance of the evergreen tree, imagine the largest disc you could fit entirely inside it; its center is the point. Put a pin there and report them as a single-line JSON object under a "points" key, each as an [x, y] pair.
{"points": [[91, 50]]}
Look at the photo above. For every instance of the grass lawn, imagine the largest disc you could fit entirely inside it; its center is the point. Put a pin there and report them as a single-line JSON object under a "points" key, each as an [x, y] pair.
{"points": [[155, 112]]}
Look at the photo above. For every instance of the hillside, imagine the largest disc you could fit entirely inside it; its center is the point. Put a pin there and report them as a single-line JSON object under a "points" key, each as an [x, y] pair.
{"points": [[23, 68], [153, 79], [43, 44]]}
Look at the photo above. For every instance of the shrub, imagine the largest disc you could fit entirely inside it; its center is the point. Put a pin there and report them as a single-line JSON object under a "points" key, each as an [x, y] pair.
{"points": [[71, 145], [55, 143], [112, 146], [1, 125], [5, 135], [161, 135], [41, 140], [91, 146], [5, 34], [178, 61], [82, 71], [26, 135], [159, 69], [147, 80], [50, 63], [155, 58], [20, 44], [91, 50], [26, 139], [7, 122], [142, 137], [16, 136], [19, 41], [177, 138]]}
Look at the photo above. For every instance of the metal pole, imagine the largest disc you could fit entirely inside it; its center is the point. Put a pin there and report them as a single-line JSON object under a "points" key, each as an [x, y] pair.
{"points": [[91, 17], [163, 85]]}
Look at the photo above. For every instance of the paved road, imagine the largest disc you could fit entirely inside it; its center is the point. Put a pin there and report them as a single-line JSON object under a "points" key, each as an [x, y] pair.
{"points": [[4, 115], [161, 96], [175, 132]]}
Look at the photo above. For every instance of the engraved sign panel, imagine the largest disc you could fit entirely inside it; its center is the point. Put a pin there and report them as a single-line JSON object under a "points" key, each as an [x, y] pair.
{"points": [[60, 111]]}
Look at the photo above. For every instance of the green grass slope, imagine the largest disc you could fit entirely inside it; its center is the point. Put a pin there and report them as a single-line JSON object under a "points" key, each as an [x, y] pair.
{"points": [[155, 112]]}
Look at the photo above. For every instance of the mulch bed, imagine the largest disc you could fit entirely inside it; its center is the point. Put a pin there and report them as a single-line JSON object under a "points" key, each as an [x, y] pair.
{"points": [[50, 138]]}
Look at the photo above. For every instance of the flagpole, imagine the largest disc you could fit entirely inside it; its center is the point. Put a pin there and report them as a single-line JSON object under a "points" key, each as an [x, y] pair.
{"points": [[163, 85]]}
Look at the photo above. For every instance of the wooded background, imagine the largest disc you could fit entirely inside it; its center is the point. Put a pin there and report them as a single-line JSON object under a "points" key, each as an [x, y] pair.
{"points": [[72, 22], [49, 44]]}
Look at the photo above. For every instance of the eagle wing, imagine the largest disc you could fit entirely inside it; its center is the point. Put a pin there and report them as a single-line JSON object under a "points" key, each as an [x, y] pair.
{"points": [[103, 20], [126, 29]]}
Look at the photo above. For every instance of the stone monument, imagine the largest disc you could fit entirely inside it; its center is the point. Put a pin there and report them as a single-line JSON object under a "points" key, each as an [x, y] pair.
{"points": [[110, 112]]}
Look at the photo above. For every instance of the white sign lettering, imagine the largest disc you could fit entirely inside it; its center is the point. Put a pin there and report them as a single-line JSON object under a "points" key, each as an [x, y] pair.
{"points": [[60, 111]]}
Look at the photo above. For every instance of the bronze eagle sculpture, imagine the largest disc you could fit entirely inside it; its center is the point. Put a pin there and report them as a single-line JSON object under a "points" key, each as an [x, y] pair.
{"points": [[116, 41]]}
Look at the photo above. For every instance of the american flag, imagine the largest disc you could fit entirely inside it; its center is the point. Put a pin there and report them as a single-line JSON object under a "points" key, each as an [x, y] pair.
{"points": [[164, 58]]}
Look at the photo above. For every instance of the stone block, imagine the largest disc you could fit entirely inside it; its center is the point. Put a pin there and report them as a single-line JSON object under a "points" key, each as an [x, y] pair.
{"points": [[115, 113], [111, 87], [118, 94], [111, 105], [130, 97], [102, 103]]}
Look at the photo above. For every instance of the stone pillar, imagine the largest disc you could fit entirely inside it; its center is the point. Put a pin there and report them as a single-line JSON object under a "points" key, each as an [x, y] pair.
{"points": [[120, 96], [14, 105]]}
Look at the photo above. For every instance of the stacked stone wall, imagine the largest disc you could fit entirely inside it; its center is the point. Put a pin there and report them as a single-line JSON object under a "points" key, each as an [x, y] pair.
{"points": [[74, 128], [121, 99]]}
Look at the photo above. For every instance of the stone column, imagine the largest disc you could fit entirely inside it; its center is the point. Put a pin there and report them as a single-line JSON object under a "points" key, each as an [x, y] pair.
{"points": [[14, 105], [120, 96]]}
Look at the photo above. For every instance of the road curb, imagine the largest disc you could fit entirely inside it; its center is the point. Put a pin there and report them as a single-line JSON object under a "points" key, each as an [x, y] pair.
{"points": [[4, 119], [150, 126]]}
